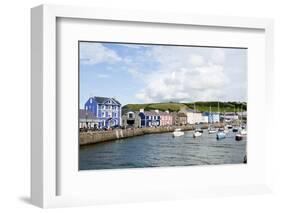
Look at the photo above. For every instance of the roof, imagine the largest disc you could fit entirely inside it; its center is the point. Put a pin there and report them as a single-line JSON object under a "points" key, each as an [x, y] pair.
{"points": [[193, 111], [210, 113], [83, 114], [101, 100], [164, 113], [181, 114], [150, 113], [116, 101]]}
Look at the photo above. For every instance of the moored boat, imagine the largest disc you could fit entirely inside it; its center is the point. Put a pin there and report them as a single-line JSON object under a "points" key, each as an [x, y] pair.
{"points": [[177, 133], [199, 130], [197, 134], [243, 132], [238, 137], [220, 135], [212, 130], [229, 126]]}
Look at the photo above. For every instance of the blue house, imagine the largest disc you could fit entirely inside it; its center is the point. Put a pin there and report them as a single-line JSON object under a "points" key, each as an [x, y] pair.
{"points": [[149, 118], [107, 110], [212, 117]]}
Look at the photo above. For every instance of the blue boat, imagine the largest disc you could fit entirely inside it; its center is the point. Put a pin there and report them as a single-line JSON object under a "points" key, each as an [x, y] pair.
{"points": [[220, 135]]}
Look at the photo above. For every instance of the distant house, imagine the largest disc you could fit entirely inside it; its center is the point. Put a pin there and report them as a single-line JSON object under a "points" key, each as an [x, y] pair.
{"points": [[149, 118], [107, 110], [205, 118], [131, 119], [87, 119], [174, 118], [229, 116], [213, 117], [166, 119], [194, 117], [181, 118]]}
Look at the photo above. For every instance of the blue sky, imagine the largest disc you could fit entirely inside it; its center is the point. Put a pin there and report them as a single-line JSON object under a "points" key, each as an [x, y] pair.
{"points": [[158, 73]]}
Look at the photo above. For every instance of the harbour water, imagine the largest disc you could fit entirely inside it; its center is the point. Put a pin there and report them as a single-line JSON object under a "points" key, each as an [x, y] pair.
{"points": [[163, 150]]}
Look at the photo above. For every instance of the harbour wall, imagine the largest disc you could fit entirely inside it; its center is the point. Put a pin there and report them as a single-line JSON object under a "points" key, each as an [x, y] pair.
{"points": [[92, 137]]}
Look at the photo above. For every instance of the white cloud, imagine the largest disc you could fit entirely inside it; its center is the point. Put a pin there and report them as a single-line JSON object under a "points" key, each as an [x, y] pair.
{"points": [[184, 76], [196, 60], [93, 53]]}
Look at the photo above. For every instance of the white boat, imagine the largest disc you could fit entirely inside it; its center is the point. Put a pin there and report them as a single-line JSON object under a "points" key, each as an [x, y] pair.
{"points": [[177, 133], [199, 130], [212, 130], [197, 134], [243, 132], [220, 135]]}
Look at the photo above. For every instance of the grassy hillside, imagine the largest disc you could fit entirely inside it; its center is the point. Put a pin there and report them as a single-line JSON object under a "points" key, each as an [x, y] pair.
{"points": [[201, 106], [223, 106], [152, 106]]}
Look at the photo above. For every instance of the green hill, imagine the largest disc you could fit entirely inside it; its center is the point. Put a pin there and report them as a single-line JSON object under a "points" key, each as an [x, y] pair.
{"points": [[200, 106]]}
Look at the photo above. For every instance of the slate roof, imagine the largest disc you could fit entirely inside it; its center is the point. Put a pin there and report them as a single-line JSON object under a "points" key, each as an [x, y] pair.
{"points": [[101, 100], [151, 113], [181, 114]]}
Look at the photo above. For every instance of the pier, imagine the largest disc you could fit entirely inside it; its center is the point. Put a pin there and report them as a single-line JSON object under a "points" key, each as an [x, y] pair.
{"points": [[92, 137]]}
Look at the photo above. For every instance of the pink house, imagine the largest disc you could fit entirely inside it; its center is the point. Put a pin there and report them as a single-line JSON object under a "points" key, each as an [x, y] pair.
{"points": [[166, 119]]}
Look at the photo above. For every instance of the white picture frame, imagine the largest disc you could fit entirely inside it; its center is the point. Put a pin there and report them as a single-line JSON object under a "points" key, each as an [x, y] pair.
{"points": [[44, 135]]}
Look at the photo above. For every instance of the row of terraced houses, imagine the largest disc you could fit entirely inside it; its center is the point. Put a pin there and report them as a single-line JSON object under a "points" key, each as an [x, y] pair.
{"points": [[103, 112]]}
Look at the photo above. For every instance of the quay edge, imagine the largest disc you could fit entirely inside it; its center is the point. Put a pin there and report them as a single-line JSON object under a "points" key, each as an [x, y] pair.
{"points": [[92, 137]]}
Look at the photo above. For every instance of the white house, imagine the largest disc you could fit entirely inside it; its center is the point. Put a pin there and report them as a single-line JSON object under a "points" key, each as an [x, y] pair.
{"points": [[194, 117]]}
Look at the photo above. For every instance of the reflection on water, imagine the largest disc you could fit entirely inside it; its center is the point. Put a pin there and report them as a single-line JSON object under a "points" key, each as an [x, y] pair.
{"points": [[162, 150]]}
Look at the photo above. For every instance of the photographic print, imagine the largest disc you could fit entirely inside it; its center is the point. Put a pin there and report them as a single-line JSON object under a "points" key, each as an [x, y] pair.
{"points": [[158, 105]]}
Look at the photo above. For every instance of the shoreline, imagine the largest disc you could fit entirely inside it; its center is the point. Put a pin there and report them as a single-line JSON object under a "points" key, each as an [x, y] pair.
{"points": [[92, 137]]}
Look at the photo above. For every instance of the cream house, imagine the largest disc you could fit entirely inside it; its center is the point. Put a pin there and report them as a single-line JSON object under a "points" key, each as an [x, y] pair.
{"points": [[194, 117]]}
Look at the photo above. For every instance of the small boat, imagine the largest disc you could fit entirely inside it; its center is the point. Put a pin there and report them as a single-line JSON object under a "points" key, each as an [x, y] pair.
{"points": [[243, 132], [212, 130], [238, 137], [177, 133], [197, 134], [199, 130], [220, 135], [228, 126]]}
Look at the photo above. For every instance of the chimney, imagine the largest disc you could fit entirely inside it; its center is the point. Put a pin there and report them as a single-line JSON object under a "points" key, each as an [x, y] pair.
{"points": [[141, 110]]}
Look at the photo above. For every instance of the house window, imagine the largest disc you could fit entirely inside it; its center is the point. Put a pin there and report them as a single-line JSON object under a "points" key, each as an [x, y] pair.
{"points": [[103, 114]]}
